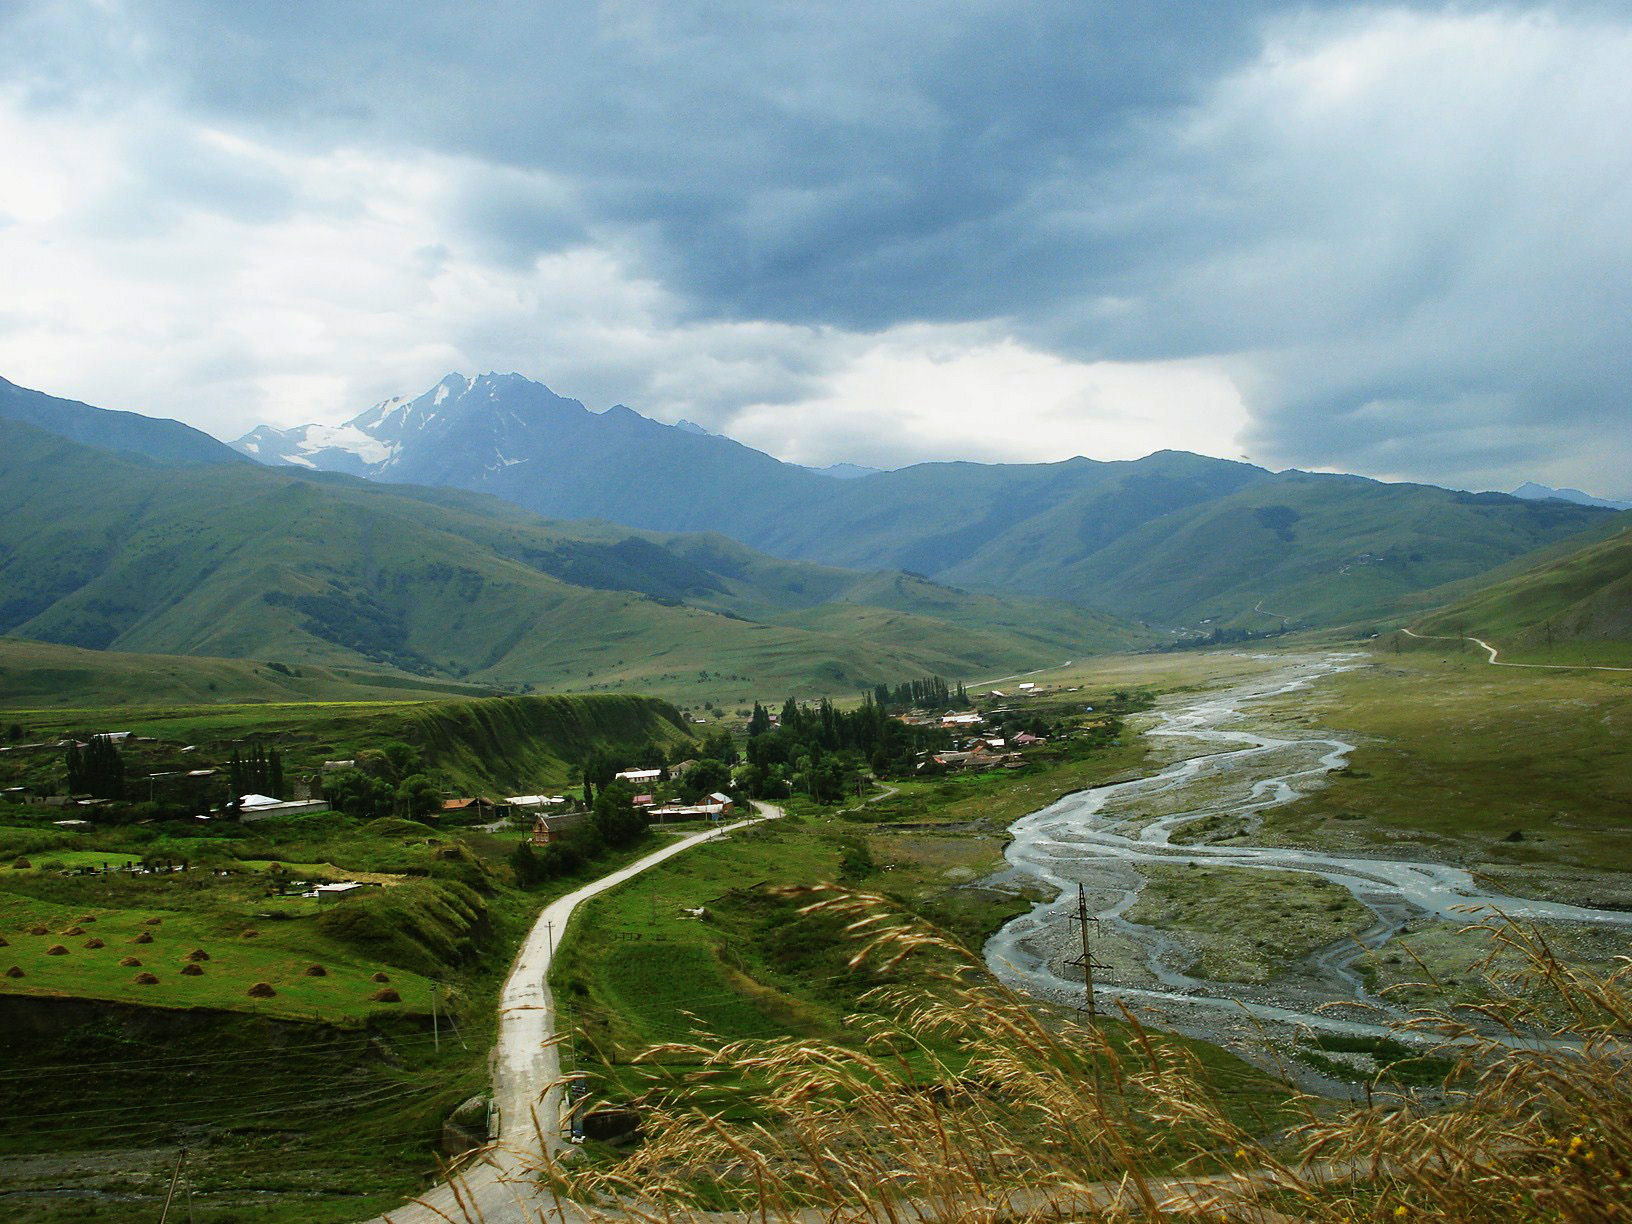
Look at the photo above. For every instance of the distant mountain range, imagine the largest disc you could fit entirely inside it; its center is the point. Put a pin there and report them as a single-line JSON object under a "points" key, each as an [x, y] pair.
{"points": [[127, 432], [127, 552], [1176, 540], [1530, 489]]}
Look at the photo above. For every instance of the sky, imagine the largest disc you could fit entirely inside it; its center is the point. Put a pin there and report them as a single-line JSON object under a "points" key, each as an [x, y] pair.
{"points": [[1391, 239]]}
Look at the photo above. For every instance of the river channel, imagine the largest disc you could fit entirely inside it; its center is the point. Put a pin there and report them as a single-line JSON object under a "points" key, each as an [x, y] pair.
{"points": [[1227, 770]]}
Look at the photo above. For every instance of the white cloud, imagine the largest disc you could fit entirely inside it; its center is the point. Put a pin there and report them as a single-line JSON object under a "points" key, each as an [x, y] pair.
{"points": [[924, 392]]}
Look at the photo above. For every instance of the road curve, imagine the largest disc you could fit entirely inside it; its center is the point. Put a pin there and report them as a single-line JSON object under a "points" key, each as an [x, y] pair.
{"points": [[497, 1186], [1496, 662]]}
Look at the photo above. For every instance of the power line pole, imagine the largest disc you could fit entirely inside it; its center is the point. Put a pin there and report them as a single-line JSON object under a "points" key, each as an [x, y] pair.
{"points": [[175, 1176], [436, 1028], [1086, 960]]}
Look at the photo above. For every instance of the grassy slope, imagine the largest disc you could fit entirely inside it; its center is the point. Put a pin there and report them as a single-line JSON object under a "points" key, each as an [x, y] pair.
{"points": [[261, 563], [36, 675], [1581, 601], [1314, 548]]}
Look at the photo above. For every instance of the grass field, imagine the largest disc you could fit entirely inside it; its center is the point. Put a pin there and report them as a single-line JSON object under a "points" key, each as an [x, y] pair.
{"points": [[244, 949], [1524, 774]]}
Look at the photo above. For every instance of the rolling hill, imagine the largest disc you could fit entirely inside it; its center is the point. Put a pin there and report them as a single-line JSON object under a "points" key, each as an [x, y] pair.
{"points": [[1173, 539], [118, 552], [1579, 603]]}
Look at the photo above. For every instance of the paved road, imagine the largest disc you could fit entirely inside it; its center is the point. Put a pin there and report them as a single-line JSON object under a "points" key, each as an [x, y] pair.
{"points": [[497, 1188], [1495, 662]]}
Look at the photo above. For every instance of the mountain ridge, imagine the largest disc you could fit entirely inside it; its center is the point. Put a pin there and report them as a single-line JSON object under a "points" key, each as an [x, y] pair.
{"points": [[1172, 538]]}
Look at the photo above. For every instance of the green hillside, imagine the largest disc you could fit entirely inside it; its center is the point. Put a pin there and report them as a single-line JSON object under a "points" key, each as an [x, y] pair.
{"points": [[43, 674], [1311, 548], [1579, 604], [111, 552]]}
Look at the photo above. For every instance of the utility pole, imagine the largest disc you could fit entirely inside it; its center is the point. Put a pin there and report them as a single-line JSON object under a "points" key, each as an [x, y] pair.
{"points": [[1086, 960], [175, 1176], [436, 1028]]}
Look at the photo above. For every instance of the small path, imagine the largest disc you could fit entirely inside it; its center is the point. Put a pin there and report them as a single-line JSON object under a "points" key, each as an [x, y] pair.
{"points": [[499, 1185], [1495, 662]]}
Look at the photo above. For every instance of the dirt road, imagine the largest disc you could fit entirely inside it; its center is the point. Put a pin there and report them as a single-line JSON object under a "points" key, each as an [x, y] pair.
{"points": [[497, 1187]]}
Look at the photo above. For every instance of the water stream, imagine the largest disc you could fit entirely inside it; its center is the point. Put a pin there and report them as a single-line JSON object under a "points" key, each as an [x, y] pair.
{"points": [[1099, 838]]}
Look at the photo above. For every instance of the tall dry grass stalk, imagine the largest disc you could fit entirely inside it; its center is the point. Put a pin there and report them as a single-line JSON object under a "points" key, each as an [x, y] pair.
{"points": [[961, 1101]]}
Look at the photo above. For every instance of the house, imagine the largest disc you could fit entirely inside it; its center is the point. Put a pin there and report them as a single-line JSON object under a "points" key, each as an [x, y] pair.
{"points": [[711, 808], [259, 807], [477, 806], [723, 801], [535, 803], [639, 779], [645, 801], [549, 826], [680, 768], [1025, 739], [961, 720], [331, 766]]}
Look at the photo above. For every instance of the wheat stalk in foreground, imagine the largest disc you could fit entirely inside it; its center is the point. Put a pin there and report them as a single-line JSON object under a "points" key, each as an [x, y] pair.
{"points": [[960, 1101]]}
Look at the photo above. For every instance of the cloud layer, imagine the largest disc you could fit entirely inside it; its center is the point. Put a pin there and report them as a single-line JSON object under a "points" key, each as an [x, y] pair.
{"points": [[1393, 240]]}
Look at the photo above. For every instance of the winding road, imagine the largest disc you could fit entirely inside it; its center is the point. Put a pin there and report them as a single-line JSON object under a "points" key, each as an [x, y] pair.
{"points": [[1100, 837], [1496, 662], [499, 1186]]}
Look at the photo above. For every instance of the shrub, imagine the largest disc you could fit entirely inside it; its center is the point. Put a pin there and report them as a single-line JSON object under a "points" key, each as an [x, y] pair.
{"points": [[143, 937], [380, 977], [75, 930], [386, 995], [145, 979], [94, 943], [21, 863], [261, 990], [56, 950], [198, 954], [129, 962], [154, 921], [316, 971], [192, 971], [14, 972], [39, 930]]}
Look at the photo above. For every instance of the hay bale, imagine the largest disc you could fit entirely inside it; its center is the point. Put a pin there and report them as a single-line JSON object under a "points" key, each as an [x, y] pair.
{"points": [[56, 950], [380, 977], [151, 921], [14, 972], [386, 994], [129, 962], [85, 919], [94, 943], [74, 930], [145, 979], [21, 863], [316, 971], [39, 930], [144, 937], [192, 971], [198, 954], [251, 933], [261, 990]]}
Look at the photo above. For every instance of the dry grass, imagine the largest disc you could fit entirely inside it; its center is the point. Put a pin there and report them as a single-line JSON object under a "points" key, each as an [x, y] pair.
{"points": [[1038, 1117]]}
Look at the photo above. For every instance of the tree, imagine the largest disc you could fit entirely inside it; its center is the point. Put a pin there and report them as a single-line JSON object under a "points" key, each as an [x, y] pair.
{"points": [[418, 796], [760, 722], [14, 732], [704, 778], [615, 817]]}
